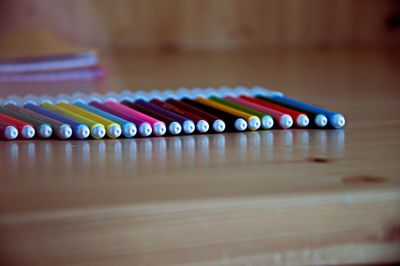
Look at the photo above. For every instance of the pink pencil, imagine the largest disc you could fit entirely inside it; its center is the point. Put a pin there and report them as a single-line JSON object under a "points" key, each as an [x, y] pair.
{"points": [[284, 120], [158, 126], [142, 126]]}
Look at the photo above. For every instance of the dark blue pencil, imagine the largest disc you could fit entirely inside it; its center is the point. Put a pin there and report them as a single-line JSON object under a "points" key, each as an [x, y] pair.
{"points": [[81, 131], [317, 119], [336, 120]]}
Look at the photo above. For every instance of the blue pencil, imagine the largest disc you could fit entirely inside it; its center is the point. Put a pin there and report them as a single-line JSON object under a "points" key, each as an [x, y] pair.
{"points": [[81, 131], [316, 118], [336, 120], [128, 128]]}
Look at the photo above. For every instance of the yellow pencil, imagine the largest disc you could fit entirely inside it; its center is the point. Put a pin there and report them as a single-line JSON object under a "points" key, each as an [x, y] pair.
{"points": [[97, 130], [113, 129], [253, 121]]}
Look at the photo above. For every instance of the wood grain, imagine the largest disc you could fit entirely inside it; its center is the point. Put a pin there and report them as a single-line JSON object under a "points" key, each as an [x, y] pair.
{"points": [[207, 24], [279, 197]]}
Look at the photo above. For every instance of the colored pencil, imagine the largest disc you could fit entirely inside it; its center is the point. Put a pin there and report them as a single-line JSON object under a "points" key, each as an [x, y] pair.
{"points": [[300, 119], [336, 120], [7, 131], [218, 125], [232, 122], [187, 125], [201, 124], [97, 130], [63, 131], [159, 128], [283, 120], [157, 113], [253, 121], [317, 119], [128, 128], [143, 127], [25, 130], [267, 121], [43, 129], [81, 131], [113, 129], [174, 128]]}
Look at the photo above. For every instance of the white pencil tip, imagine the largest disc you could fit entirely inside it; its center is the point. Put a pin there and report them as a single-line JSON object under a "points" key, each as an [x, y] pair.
{"points": [[254, 123], [129, 130], [175, 128], [159, 129], [202, 126], [240, 124], [82, 132], [302, 120], [219, 125], [338, 121], [10, 133], [321, 120], [64, 132], [114, 131], [188, 126], [267, 122], [45, 131], [28, 132], [286, 121], [98, 132], [145, 129]]}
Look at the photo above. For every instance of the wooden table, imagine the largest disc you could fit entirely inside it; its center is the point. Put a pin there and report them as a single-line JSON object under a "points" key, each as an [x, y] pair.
{"points": [[278, 197]]}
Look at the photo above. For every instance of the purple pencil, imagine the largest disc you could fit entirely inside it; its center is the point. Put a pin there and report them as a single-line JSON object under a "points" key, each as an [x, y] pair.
{"points": [[187, 124]]}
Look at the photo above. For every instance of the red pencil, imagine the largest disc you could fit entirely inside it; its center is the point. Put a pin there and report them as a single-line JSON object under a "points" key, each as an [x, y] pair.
{"points": [[25, 130], [201, 124], [300, 119], [282, 120], [7, 131], [217, 124]]}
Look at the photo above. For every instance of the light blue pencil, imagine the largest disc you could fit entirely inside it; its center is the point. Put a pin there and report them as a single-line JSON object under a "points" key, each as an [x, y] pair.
{"points": [[128, 128]]}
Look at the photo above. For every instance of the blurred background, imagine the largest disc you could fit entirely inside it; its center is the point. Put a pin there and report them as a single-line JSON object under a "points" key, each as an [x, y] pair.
{"points": [[148, 31], [209, 24]]}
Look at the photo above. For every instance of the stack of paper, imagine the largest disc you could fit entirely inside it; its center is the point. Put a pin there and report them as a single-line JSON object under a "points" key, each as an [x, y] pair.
{"points": [[41, 57]]}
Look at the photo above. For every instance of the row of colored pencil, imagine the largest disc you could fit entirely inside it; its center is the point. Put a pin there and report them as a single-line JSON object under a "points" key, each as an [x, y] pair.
{"points": [[130, 114]]}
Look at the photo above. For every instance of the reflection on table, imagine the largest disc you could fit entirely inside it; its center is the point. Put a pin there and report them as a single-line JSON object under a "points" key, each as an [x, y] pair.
{"points": [[126, 158]]}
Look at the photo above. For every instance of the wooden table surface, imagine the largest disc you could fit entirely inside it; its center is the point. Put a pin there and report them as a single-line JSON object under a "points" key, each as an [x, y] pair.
{"points": [[278, 197]]}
